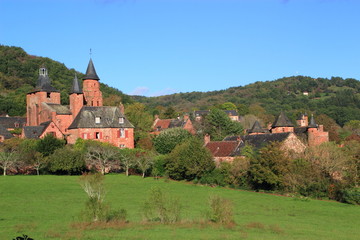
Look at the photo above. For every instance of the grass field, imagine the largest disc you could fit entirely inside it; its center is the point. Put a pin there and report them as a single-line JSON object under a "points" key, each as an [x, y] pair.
{"points": [[48, 207]]}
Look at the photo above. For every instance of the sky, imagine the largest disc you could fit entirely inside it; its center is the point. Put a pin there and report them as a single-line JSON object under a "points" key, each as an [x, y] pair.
{"points": [[159, 47]]}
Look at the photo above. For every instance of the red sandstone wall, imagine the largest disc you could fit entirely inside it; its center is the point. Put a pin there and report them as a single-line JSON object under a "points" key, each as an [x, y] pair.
{"points": [[34, 107], [76, 103], [110, 135], [54, 130], [282, 129], [316, 137], [92, 93]]}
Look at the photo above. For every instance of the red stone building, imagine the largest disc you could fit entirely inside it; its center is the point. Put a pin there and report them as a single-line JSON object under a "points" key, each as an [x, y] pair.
{"points": [[163, 124], [85, 117]]}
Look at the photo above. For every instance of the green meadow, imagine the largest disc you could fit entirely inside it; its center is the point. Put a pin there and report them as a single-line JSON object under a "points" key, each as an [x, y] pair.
{"points": [[48, 207]]}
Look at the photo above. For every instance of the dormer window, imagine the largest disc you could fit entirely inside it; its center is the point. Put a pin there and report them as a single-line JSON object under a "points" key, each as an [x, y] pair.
{"points": [[48, 95], [121, 120], [97, 120]]}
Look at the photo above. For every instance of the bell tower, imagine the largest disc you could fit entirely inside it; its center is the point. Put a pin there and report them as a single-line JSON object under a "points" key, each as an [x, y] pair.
{"points": [[91, 87]]}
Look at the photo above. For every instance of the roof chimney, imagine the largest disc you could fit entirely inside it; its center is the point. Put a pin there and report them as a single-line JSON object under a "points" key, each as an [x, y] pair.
{"points": [[206, 139]]}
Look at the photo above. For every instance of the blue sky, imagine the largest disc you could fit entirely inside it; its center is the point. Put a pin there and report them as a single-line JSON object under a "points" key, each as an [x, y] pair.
{"points": [[156, 47]]}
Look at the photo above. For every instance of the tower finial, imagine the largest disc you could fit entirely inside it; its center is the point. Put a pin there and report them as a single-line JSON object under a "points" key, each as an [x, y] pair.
{"points": [[90, 53]]}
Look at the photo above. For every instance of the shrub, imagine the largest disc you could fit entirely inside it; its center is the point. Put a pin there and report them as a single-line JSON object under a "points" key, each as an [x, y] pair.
{"points": [[215, 177], [352, 195], [160, 207], [116, 215], [221, 210], [66, 161], [158, 168], [167, 140]]}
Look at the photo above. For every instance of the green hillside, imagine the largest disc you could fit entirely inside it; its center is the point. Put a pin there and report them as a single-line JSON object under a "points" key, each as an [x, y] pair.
{"points": [[47, 207]]}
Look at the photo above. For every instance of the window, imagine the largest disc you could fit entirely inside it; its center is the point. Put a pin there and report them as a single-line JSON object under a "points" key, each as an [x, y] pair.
{"points": [[122, 146], [85, 136], [97, 135], [48, 95], [121, 120], [122, 132], [97, 120]]}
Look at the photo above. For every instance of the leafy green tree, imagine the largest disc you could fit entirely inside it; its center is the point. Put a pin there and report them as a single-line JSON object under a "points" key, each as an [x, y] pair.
{"points": [[228, 106], [219, 125], [267, 171], [66, 161], [168, 139], [47, 145], [169, 113], [189, 160]]}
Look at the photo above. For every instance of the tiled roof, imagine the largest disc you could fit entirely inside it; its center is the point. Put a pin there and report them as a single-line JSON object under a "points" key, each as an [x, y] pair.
{"points": [[282, 121], [13, 122], [231, 112], [223, 149], [109, 118], [201, 112], [162, 124], [5, 133], [58, 108]]}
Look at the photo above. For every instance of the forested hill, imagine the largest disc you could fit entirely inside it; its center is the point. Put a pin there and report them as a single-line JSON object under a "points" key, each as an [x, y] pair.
{"points": [[336, 97], [19, 73]]}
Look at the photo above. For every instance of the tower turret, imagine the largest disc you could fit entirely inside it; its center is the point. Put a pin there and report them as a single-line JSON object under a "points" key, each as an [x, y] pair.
{"points": [[76, 98], [91, 86]]}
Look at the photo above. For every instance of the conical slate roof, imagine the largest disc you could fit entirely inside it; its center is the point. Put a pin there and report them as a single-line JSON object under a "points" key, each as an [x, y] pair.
{"points": [[312, 122], [256, 128], [43, 83], [75, 87], [282, 121], [90, 72]]}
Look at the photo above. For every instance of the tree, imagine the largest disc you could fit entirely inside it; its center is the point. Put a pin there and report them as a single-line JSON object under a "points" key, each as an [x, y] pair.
{"points": [[144, 161], [66, 161], [219, 125], [168, 139], [268, 169], [47, 145], [228, 106], [127, 158], [101, 156], [330, 126], [7, 160], [189, 160]]}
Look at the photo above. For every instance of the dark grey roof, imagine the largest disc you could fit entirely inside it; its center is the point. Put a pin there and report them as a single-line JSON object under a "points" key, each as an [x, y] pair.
{"points": [[312, 122], [5, 133], [35, 131], [201, 112], [13, 122], [282, 121], [177, 123], [109, 118], [301, 116], [260, 140], [44, 83], [58, 108], [256, 128], [231, 112], [300, 130], [90, 72], [76, 88]]}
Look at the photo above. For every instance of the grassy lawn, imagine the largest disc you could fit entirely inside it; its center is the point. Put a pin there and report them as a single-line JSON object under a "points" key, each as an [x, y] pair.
{"points": [[48, 207]]}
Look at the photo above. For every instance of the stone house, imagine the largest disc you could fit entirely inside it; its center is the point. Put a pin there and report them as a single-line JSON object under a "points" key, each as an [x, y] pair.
{"points": [[163, 124], [200, 114], [85, 117]]}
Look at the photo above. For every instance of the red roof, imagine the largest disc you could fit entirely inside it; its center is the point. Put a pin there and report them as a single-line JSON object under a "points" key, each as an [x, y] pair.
{"points": [[162, 124], [222, 149]]}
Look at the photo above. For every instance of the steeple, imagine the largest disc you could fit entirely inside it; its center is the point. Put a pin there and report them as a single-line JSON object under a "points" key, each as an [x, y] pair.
{"points": [[257, 129], [76, 87], [90, 72], [312, 122]]}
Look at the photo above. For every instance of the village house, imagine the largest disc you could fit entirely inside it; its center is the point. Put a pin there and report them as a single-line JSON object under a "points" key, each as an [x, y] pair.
{"points": [[163, 124], [289, 137], [85, 117], [200, 114]]}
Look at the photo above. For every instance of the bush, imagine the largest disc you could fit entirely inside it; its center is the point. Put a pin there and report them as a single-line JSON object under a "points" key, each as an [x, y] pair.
{"points": [[158, 168], [216, 177], [221, 210], [160, 207], [352, 195], [116, 215], [167, 140], [66, 161]]}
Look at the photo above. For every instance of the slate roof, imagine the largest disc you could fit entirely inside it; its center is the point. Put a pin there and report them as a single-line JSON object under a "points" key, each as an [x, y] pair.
{"points": [[44, 84], [224, 149], [58, 108], [201, 112], [109, 118], [76, 88], [312, 122], [5, 133], [162, 124], [13, 122], [35, 131], [91, 72], [282, 121], [231, 112], [259, 140], [256, 128]]}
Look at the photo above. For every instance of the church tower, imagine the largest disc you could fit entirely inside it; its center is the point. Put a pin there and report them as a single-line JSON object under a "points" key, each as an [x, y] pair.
{"points": [[76, 98], [91, 87], [43, 93]]}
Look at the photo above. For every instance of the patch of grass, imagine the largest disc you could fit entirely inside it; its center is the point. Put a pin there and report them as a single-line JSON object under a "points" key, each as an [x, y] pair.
{"points": [[47, 207]]}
